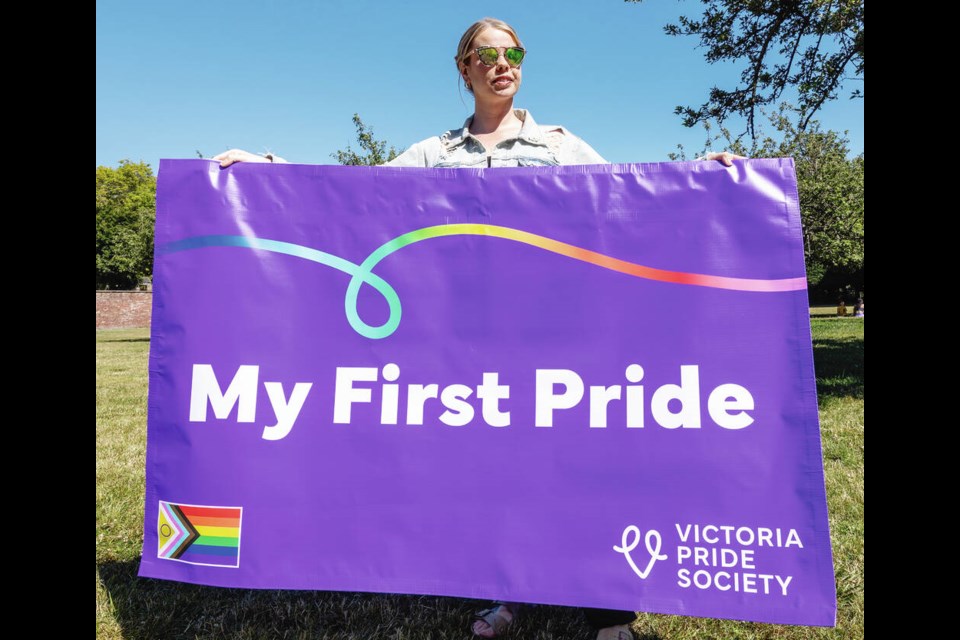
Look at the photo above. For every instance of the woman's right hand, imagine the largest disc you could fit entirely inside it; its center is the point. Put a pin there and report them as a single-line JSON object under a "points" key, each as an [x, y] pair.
{"points": [[724, 157], [227, 158]]}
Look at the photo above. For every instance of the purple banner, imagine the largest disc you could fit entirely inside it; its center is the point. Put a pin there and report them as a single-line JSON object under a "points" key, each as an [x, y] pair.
{"points": [[587, 385]]}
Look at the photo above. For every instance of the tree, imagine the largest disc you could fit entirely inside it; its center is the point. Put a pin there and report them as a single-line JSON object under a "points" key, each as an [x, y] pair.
{"points": [[126, 205], [830, 186], [808, 45], [376, 150]]}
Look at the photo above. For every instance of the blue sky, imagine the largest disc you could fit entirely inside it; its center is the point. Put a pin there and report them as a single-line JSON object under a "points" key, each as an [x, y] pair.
{"points": [[177, 77]]}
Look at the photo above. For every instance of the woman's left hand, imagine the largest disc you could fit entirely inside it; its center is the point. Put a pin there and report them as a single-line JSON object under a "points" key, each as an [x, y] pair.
{"points": [[725, 157]]}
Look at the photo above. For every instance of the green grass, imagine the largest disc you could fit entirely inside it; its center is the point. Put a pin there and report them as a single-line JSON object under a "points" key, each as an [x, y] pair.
{"points": [[824, 311], [131, 607]]}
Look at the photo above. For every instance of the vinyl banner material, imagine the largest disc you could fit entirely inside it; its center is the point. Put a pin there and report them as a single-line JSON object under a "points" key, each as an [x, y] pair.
{"points": [[587, 385]]}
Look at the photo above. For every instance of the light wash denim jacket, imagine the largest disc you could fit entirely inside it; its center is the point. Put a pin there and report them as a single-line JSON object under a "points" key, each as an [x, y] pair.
{"points": [[534, 146]]}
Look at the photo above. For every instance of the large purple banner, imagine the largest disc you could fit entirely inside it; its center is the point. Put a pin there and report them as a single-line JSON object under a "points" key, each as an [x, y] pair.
{"points": [[586, 386]]}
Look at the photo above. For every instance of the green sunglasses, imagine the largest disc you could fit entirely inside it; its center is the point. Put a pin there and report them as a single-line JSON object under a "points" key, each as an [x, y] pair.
{"points": [[490, 55]]}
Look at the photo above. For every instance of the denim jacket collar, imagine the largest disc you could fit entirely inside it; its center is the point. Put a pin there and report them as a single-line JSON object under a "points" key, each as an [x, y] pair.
{"points": [[529, 132]]}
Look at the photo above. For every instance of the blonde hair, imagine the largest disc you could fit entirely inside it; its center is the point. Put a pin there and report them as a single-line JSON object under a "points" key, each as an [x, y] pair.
{"points": [[466, 40]]}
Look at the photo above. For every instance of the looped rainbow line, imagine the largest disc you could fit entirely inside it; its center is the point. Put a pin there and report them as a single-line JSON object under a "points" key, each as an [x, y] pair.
{"points": [[363, 273]]}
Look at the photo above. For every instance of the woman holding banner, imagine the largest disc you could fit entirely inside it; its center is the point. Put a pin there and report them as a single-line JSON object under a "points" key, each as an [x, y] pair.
{"points": [[488, 59]]}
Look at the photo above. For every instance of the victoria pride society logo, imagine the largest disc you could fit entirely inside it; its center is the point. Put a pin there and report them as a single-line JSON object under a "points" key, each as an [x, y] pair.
{"points": [[630, 540]]}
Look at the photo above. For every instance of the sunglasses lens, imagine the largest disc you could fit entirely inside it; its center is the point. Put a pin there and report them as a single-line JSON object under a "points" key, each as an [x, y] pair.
{"points": [[488, 55], [514, 56]]}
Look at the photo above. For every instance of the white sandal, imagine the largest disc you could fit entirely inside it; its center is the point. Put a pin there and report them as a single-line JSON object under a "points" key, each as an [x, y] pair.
{"points": [[622, 634], [497, 618]]}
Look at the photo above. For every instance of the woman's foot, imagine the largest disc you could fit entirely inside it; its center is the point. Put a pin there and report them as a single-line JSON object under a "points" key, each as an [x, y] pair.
{"points": [[490, 623], [619, 632]]}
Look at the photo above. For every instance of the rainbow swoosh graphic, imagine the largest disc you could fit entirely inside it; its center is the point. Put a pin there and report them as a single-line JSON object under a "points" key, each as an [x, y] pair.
{"points": [[363, 273], [198, 534]]}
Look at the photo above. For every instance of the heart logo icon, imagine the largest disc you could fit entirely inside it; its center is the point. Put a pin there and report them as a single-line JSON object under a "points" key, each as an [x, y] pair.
{"points": [[630, 540]]}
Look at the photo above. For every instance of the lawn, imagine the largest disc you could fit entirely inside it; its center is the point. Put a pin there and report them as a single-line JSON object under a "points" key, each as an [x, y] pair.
{"points": [[131, 607]]}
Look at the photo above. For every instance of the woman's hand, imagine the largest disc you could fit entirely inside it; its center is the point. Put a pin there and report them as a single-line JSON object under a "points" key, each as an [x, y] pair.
{"points": [[725, 157], [227, 158]]}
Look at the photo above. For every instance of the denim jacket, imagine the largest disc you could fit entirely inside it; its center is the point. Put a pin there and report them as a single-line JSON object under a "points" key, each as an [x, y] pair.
{"points": [[534, 146]]}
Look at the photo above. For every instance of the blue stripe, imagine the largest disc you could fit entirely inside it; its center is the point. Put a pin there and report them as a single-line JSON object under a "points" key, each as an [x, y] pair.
{"points": [[212, 551]]}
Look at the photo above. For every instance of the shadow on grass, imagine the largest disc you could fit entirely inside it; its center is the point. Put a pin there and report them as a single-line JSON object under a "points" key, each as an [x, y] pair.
{"points": [[147, 609], [839, 367]]}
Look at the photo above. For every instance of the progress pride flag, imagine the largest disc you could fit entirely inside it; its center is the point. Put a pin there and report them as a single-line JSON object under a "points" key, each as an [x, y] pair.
{"points": [[586, 385]]}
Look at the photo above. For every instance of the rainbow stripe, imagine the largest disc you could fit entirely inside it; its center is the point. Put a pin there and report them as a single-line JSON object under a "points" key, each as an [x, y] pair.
{"points": [[363, 273], [585, 255], [199, 534]]}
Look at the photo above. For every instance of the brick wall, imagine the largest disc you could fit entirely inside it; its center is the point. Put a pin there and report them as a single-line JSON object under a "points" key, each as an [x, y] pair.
{"points": [[123, 309]]}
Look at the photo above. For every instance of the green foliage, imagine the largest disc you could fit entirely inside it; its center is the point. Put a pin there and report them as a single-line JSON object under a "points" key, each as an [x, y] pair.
{"points": [[831, 199], [811, 46], [126, 205], [375, 151], [831, 205], [830, 186]]}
